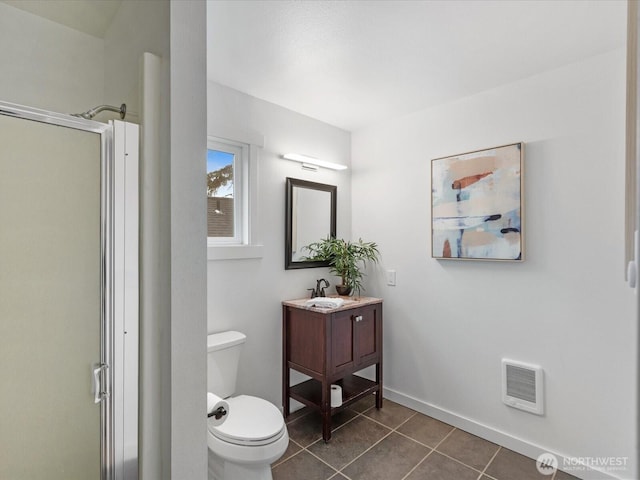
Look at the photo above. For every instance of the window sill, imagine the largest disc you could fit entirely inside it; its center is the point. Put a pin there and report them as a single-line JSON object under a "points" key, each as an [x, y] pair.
{"points": [[234, 252]]}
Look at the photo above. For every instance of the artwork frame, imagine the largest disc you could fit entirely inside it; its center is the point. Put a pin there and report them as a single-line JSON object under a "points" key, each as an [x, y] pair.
{"points": [[477, 205]]}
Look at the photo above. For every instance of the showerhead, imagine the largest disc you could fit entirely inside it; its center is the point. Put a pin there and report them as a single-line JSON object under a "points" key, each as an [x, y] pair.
{"points": [[89, 114]]}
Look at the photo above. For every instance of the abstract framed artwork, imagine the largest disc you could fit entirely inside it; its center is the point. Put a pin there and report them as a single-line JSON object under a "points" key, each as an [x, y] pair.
{"points": [[477, 205]]}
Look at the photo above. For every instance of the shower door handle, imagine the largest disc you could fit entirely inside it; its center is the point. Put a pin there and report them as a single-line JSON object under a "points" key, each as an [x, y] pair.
{"points": [[98, 394]]}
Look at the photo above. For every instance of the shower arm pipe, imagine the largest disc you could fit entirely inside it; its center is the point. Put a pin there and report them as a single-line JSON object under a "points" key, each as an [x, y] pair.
{"points": [[89, 114]]}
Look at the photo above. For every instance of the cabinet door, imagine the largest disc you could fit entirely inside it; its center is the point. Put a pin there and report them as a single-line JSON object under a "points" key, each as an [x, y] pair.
{"points": [[367, 335], [305, 340], [342, 341]]}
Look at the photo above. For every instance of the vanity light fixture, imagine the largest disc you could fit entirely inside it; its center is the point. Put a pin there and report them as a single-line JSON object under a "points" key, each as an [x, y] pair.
{"points": [[311, 163]]}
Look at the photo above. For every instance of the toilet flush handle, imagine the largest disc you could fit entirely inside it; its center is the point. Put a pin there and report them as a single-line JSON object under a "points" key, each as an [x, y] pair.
{"points": [[218, 413]]}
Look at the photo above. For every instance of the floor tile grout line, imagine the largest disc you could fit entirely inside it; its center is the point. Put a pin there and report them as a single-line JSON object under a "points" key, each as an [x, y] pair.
{"points": [[414, 440], [393, 429], [333, 430], [453, 429], [434, 449], [431, 450], [484, 472], [486, 476], [418, 441], [280, 461], [329, 465], [287, 459], [345, 423], [365, 451], [337, 471], [294, 442], [344, 475], [301, 416], [402, 423], [481, 472], [362, 414]]}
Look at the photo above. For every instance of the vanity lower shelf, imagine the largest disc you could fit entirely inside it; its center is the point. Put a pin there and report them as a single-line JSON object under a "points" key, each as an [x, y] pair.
{"points": [[354, 388]]}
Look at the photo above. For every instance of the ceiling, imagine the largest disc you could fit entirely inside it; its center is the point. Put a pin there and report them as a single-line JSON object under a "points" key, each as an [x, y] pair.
{"points": [[88, 16], [354, 63]]}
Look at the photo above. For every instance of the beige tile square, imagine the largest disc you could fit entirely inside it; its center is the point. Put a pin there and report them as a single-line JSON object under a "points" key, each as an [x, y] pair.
{"points": [[509, 465], [302, 466], [391, 459], [425, 429], [349, 441], [391, 414], [469, 449], [439, 467]]}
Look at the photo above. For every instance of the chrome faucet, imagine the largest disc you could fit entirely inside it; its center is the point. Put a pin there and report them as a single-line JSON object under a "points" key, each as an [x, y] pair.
{"points": [[319, 291]]}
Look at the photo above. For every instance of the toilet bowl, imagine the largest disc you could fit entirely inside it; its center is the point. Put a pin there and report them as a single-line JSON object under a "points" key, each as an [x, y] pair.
{"points": [[252, 437], [253, 434]]}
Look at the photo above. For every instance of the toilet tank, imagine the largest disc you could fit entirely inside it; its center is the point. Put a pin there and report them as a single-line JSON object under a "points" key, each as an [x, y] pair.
{"points": [[223, 356]]}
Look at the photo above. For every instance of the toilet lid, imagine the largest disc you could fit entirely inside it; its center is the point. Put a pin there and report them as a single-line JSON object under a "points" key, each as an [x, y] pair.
{"points": [[251, 421]]}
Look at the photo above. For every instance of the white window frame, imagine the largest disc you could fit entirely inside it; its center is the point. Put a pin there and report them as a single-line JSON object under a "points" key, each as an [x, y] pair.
{"points": [[240, 152], [245, 243]]}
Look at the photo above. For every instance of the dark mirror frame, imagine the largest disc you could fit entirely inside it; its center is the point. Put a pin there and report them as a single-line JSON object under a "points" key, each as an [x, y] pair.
{"points": [[288, 234]]}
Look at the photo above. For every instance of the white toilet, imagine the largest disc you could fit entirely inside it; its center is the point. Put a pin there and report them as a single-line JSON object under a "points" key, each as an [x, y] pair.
{"points": [[254, 435]]}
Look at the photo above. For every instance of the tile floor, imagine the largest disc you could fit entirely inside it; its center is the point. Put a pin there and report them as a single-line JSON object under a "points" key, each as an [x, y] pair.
{"points": [[395, 443]]}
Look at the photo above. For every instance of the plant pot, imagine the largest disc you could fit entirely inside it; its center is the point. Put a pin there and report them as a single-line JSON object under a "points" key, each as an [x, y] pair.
{"points": [[343, 290]]}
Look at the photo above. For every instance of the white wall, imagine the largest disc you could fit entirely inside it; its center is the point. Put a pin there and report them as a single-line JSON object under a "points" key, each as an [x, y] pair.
{"points": [[173, 228], [138, 27], [188, 241], [245, 295], [449, 323], [47, 65]]}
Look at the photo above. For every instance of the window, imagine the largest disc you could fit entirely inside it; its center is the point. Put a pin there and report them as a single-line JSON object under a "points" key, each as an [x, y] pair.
{"points": [[232, 198], [227, 163]]}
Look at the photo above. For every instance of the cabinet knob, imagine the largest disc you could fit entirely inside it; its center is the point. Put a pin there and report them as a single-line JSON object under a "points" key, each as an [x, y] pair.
{"points": [[359, 318]]}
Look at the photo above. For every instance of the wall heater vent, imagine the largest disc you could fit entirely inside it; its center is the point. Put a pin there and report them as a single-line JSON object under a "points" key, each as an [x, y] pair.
{"points": [[522, 386]]}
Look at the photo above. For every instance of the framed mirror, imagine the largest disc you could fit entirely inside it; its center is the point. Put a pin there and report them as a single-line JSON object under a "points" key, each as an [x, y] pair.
{"points": [[310, 210]]}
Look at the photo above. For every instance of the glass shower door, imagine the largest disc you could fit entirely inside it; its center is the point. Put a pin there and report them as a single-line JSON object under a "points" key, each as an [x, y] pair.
{"points": [[50, 301]]}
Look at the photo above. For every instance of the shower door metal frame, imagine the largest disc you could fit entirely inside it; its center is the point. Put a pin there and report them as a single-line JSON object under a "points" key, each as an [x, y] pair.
{"points": [[107, 380]]}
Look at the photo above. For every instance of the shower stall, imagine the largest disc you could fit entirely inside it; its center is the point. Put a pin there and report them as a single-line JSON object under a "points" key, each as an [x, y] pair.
{"points": [[68, 297]]}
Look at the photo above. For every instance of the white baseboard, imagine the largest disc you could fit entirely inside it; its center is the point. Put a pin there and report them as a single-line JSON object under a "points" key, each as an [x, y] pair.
{"points": [[509, 441]]}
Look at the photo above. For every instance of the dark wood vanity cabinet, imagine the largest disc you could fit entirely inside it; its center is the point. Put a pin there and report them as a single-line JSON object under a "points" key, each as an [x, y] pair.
{"points": [[330, 345]]}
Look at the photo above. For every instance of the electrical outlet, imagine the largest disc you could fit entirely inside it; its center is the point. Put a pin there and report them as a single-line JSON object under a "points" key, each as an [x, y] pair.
{"points": [[391, 278]]}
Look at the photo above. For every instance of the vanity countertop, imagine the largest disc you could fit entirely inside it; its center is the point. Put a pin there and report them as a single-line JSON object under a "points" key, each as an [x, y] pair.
{"points": [[349, 302]]}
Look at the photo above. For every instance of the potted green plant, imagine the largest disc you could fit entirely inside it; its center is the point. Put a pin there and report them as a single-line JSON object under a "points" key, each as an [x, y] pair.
{"points": [[346, 260]]}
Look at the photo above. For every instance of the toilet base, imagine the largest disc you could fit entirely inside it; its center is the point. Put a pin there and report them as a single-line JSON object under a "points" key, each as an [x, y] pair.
{"points": [[220, 469]]}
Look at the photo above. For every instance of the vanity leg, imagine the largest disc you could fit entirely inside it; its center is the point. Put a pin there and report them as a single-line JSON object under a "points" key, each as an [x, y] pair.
{"points": [[326, 426], [286, 402], [326, 411], [379, 382], [285, 368]]}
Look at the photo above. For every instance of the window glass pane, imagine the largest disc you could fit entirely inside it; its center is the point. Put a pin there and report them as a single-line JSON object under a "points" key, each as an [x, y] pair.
{"points": [[220, 197]]}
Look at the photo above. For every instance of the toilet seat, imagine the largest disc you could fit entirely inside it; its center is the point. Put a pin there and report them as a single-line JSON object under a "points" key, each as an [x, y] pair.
{"points": [[251, 421]]}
